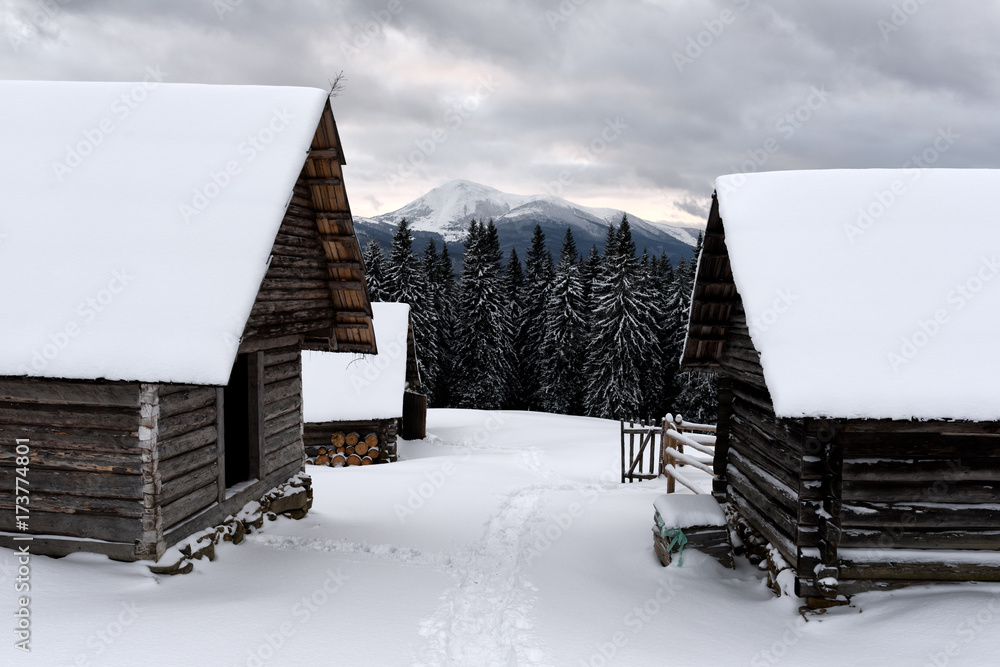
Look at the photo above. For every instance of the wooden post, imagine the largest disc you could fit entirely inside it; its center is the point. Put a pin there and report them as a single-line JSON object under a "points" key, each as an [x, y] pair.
{"points": [[255, 397], [725, 396], [220, 439], [622, 423]]}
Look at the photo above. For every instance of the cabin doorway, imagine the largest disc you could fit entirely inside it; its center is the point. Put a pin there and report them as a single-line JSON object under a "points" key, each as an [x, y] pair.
{"points": [[241, 433]]}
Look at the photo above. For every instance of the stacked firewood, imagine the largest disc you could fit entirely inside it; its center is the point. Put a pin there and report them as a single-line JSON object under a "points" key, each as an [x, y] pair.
{"points": [[349, 449]]}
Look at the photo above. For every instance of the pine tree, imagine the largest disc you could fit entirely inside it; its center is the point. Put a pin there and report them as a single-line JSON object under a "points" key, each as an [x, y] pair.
{"points": [[405, 281], [482, 335], [697, 398], [562, 351], [374, 260], [538, 272], [620, 334], [513, 287], [440, 279]]}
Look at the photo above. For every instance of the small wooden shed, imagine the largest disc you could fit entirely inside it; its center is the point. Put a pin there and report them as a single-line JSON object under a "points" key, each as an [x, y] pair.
{"points": [[349, 397], [159, 286], [854, 327]]}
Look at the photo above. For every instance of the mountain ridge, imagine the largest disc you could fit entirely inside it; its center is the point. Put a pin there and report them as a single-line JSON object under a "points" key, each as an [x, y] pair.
{"points": [[445, 211]]}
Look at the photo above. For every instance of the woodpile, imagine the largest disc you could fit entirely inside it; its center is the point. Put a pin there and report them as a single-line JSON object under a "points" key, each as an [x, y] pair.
{"points": [[348, 449]]}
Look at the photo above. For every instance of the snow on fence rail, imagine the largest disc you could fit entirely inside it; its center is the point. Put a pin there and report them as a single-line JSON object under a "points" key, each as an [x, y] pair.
{"points": [[644, 438]]}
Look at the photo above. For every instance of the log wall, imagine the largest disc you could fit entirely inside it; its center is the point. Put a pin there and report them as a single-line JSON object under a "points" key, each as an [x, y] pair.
{"points": [[852, 501], [295, 296], [86, 470], [763, 453], [187, 444], [282, 409]]}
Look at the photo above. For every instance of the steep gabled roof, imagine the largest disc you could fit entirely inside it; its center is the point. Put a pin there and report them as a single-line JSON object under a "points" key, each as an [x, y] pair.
{"points": [[868, 293], [138, 222]]}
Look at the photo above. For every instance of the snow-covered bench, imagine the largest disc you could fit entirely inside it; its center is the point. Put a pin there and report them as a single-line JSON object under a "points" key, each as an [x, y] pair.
{"points": [[690, 521]]}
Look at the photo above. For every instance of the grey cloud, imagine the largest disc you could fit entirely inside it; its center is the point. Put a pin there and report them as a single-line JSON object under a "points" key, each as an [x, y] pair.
{"points": [[563, 73]]}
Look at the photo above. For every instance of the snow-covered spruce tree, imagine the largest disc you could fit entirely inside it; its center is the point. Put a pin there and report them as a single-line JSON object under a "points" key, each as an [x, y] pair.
{"points": [[513, 287], [562, 351], [374, 260], [440, 279], [482, 333], [405, 281], [589, 270], [649, 293], [620, 334], [697, 398], [530, 330]]}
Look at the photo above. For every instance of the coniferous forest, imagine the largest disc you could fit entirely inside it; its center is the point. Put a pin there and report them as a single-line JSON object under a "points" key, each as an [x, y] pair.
{"points": [[595, 334]]}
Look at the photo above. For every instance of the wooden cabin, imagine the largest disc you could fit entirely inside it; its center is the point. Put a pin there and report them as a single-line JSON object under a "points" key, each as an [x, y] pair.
{"points": [[854, 327], [159, 288], [355, 406]]}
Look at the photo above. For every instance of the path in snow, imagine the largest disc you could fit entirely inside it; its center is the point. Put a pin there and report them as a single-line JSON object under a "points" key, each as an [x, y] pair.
{"points": [[486, 619]]}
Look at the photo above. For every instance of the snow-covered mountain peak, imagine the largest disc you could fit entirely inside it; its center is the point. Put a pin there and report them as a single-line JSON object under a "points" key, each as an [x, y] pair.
{"points": [[448, 208]]}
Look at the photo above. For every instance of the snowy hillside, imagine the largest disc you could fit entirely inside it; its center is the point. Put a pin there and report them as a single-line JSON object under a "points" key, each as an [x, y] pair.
{"points": [[446, 211], [504, 538]]}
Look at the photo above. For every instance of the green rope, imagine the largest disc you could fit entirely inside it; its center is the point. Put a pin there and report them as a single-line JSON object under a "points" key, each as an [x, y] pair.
{"points": [[677, 539]]}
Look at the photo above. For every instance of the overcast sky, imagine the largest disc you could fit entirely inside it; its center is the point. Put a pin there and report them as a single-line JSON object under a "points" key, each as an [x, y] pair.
{"points": [[631, 104]]}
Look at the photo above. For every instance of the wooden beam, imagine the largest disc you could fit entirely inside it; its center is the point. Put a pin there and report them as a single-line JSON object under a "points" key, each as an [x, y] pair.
{"points": [[220, 427], [356, 266], [324, 153], [255, 375], [324, 181], [347, 285]]}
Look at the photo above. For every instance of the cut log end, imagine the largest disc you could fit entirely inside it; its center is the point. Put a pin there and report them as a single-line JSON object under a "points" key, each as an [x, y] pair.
{"points": [[353, 460], [337, 439], [352, 439], [371, 440]]}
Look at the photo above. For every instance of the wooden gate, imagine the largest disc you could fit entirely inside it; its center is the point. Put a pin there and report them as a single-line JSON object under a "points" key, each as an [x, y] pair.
{"points": [[651, 449], [642, 450]]}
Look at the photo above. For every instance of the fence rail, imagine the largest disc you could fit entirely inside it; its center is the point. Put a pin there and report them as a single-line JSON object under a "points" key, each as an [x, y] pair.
{"points": [[659, 446]]}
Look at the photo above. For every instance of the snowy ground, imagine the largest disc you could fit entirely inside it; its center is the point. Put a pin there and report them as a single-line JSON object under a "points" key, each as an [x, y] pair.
{"points": [[502, 539]]}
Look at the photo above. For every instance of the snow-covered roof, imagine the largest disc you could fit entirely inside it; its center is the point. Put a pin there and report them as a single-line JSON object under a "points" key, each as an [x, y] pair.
{"points": [[138, 220], [338, 386], [870, 293]]}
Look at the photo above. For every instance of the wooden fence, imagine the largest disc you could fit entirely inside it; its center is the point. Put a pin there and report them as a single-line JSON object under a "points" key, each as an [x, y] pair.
{"points": [[650, 449], [678, 434]]}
